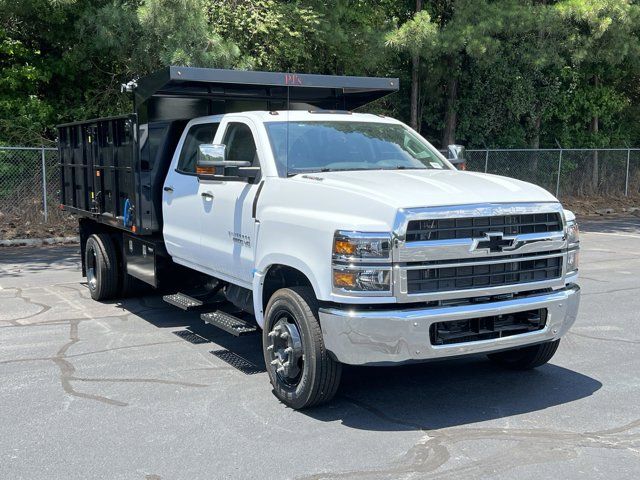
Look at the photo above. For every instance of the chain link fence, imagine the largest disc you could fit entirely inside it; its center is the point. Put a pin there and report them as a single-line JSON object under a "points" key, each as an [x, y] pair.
{"points": [[567, 173], [29, 194], [30, 181]]}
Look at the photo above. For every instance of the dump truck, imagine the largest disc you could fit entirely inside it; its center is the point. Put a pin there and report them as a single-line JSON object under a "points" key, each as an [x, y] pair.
{"points": [[265, 203]]}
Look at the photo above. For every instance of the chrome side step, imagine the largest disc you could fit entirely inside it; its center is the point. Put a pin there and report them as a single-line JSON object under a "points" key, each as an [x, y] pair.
{"points": [[229, 323], [189, 303]]}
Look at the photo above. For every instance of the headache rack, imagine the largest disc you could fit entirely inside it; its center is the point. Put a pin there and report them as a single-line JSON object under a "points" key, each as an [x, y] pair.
{"points": [[112, 169]]}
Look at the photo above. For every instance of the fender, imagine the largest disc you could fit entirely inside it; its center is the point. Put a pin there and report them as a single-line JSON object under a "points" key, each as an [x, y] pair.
{"points": [[261, 271], [258, 284]]}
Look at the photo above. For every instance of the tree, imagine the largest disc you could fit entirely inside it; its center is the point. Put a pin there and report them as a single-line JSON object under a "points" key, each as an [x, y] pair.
{"points": [[512, 75], [275, 35], [604, 47], [416, 37], [64, 60], [507, 73], [23, 116], [341, 37], [178, 32]]}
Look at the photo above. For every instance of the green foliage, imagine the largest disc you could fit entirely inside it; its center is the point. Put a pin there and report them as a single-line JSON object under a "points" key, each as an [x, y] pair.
{"points": [[177, 32], [603, 50], [416, 36], [514, 73], [275, 35], [66, 60], [22, 114], [338, 37]]}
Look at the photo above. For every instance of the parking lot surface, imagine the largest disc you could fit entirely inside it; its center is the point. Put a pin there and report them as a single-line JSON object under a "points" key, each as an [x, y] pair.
{"points": [[130, 390]]}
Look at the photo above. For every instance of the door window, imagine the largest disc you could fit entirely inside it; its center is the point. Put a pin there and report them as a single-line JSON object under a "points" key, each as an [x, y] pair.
{"points": [[197, 135], [240, 143]]}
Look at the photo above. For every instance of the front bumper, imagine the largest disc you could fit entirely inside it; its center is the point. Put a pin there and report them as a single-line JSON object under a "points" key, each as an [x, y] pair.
{"points": [[378, 337]]}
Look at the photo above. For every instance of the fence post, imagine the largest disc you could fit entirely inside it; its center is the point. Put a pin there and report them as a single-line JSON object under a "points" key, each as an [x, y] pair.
{"points": [[626, 179], [558, 179], [486, 161], [44, 185]]}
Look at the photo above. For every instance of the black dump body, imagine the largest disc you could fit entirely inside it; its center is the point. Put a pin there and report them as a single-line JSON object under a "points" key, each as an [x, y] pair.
{"points": [[113, 169]]}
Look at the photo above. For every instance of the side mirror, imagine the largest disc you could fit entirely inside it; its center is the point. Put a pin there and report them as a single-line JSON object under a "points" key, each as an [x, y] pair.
{"points": [[456, 156], [213, 156], [210, 156]]}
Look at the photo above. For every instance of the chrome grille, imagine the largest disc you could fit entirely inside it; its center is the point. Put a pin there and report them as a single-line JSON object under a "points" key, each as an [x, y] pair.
{"points": [[453, 228], [478, 250], [465, 277]]}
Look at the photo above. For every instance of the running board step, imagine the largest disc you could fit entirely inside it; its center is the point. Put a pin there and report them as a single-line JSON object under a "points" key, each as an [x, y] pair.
{"points": [[227, 322], [183, 301]]}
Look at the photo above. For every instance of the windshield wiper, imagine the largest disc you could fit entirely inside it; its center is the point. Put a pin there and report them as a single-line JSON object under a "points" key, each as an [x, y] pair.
{"points": [[354, 169], [326, 170]]}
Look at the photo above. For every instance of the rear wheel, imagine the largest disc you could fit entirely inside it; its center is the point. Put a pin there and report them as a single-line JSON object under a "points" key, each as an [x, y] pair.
{"points": [[526, 358], [300, 369], [101, 265]]}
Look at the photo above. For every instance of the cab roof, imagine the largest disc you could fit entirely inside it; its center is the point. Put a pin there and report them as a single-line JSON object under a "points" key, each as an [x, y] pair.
{"points": [[316, 115]]}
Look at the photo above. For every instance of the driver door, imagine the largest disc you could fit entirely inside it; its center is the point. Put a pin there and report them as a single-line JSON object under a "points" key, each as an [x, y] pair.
{"points": [[228, 232]]}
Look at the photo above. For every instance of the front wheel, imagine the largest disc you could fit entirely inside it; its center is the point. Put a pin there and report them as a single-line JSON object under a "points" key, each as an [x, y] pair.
{"points": [[300, 369], [526, 358]]}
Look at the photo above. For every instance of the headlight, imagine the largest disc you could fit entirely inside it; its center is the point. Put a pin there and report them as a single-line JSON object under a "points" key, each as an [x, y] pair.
{"points": [[362, 279], [361, 246], [573, 260], [356, 256], [573, 241], [573, 233]]}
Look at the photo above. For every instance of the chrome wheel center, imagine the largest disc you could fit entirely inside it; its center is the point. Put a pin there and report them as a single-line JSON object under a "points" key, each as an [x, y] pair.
{"points": [[91, 271], [285, 350]]}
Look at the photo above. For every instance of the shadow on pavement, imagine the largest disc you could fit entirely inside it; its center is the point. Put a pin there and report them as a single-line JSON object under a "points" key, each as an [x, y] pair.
{"points": [[424, 396], [410, 397], [448, 393], [155, 311], [413, 397]]}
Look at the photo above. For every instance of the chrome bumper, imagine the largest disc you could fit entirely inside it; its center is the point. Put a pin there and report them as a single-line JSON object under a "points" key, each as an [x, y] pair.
{"points": [[370, 337]]}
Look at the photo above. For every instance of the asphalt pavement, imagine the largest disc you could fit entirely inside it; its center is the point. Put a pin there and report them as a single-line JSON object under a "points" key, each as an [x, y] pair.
{"points": [[131, 390]]}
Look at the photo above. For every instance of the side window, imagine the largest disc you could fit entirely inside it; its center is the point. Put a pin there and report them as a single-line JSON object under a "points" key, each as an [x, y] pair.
{"points": [[240, 143], [196, 136]]}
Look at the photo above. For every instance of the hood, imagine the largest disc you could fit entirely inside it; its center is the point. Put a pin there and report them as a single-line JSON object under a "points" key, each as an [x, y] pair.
{"points": [[431, 188]]}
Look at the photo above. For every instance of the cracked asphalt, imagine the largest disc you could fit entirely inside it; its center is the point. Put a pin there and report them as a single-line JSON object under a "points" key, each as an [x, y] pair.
{"points": [[110, 391]]}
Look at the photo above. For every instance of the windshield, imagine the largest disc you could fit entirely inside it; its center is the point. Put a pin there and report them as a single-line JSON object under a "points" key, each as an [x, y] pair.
{"points": [[326, 146]]}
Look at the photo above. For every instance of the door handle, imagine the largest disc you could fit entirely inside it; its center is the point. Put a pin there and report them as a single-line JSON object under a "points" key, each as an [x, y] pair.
{"points": [[207, 195], [168, 189]]}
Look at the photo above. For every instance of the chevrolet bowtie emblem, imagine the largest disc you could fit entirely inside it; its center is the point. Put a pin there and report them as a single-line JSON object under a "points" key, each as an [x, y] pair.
{"points": [[494, 242]]}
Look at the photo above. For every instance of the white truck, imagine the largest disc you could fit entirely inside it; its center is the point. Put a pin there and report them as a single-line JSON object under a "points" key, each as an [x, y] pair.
{"points": [[262, 201]]}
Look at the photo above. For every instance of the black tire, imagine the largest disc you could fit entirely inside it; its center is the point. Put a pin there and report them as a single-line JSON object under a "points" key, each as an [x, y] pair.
{"points": [[319, 375], [526, 358], [102, 268]]}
